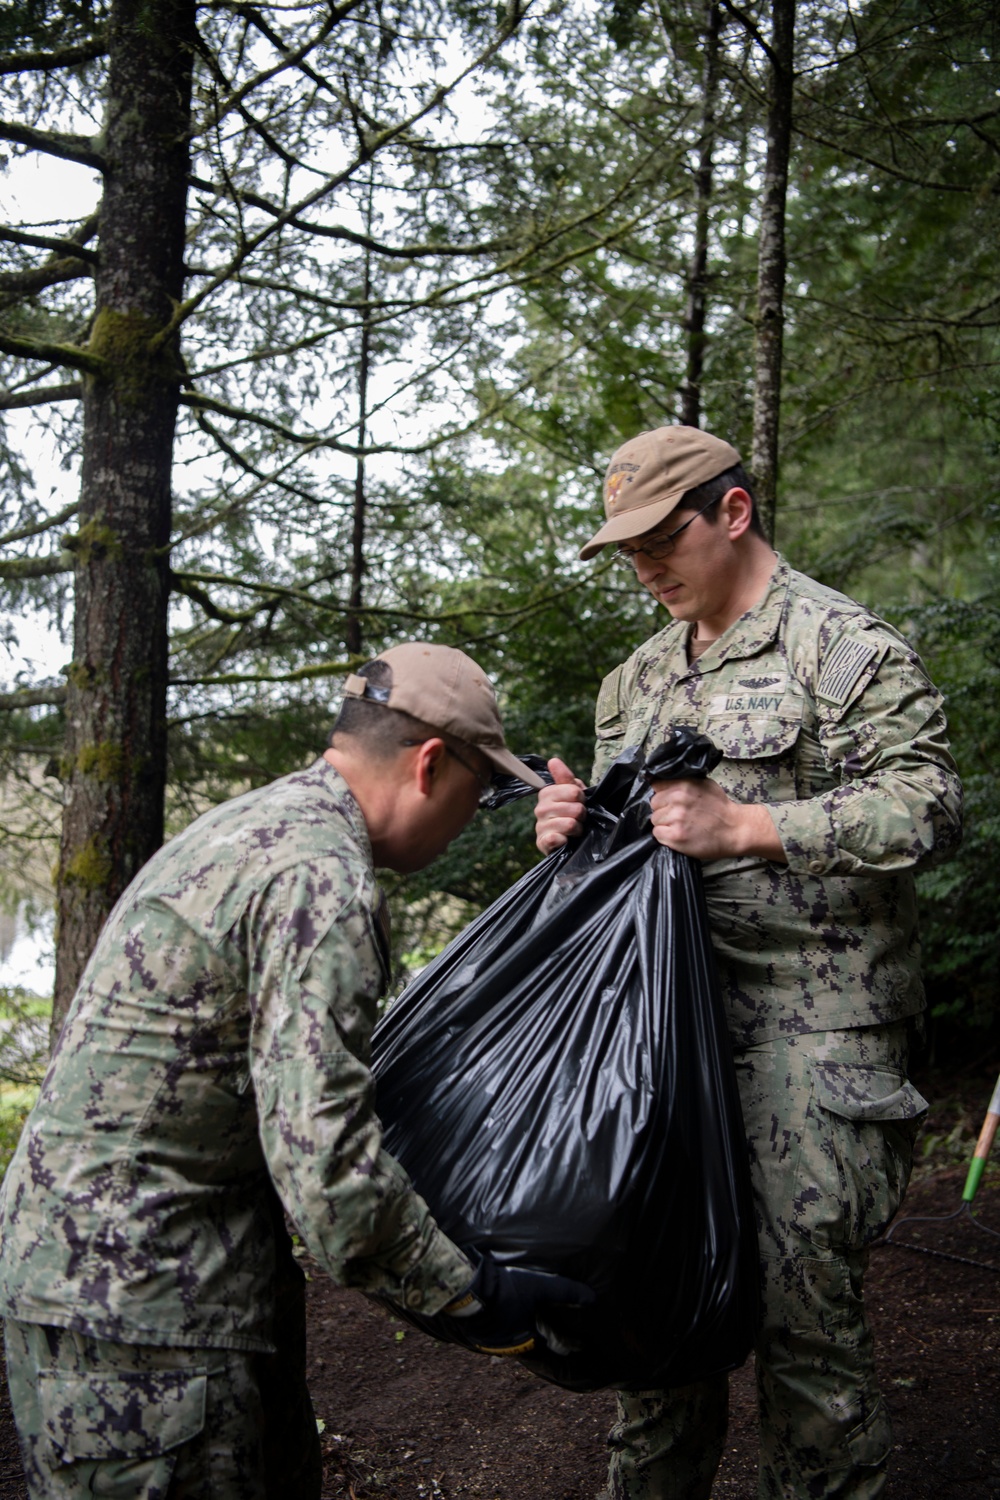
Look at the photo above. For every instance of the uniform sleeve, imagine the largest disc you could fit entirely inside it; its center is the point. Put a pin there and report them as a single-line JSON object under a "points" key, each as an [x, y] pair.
{"points": [[898, 801], [315, 980], [611, 715]]}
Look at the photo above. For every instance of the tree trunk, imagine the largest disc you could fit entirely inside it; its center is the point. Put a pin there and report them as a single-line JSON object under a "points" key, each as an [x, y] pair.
{"points": [[353, 635], [771, 264], [115, 759], [694, 321]]}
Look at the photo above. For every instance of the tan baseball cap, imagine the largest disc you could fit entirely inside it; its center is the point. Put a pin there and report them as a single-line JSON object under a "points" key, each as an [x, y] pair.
{"points": [[649, 474], [449, 691]]}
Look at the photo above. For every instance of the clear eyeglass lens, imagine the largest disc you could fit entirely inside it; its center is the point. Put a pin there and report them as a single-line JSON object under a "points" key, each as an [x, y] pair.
{"points": [[656, 551]]}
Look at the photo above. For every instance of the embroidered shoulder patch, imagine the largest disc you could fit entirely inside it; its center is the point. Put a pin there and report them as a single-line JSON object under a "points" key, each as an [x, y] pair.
{"points": [[608, 705], [843, 667]]}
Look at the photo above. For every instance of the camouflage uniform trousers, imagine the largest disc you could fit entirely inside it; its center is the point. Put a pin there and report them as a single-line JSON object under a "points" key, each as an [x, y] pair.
{"points": [[830, 1121], [137, 1422]]}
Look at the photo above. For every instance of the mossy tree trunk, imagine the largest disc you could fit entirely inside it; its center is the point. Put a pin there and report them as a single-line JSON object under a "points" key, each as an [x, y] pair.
{"points": [[116, 701], [771, 260]]}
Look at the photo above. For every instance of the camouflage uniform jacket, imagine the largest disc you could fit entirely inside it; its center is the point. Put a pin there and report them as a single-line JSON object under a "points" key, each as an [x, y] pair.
{"points": [[218, 1041], [825, 713]]}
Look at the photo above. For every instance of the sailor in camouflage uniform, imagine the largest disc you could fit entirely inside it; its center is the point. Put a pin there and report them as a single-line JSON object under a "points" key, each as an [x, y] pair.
{"points": [[836, 784], [212, 1074]]}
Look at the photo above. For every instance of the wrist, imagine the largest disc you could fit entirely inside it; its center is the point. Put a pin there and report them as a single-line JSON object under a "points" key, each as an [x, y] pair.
{"points": [[757, 835]]}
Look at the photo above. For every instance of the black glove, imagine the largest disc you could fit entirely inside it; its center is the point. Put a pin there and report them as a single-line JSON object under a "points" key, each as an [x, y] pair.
{"points": [[505, 1308]]}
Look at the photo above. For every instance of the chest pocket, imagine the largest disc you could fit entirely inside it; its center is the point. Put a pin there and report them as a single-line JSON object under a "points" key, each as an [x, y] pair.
{"points": [[761, 752]]}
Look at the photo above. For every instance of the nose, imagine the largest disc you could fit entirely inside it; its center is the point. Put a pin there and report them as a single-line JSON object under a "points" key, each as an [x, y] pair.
{"points": [[647, 569]]}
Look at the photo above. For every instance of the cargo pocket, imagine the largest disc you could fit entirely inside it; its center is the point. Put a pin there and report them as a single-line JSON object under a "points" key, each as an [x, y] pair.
{"points": [[129, 1420], [863, 1120]]}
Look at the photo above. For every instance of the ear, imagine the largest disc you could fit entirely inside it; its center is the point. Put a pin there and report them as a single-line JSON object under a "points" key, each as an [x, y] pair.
{"points": [[428, 765], [736, 508]]}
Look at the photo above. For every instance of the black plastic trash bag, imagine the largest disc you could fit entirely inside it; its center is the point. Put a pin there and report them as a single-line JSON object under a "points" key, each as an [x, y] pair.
{"points": [[559, 1084]]}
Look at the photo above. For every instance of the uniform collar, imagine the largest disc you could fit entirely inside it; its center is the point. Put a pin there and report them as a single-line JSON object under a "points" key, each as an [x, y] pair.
{"points": [[347, 804], [752, 632]]}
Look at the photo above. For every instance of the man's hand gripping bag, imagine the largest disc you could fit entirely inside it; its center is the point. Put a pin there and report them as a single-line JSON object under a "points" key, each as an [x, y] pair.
{"points": [[559, 1085]]}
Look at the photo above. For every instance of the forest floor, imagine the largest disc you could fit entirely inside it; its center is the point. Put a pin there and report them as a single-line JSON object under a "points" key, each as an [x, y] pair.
{"points": [[405, 1418]]}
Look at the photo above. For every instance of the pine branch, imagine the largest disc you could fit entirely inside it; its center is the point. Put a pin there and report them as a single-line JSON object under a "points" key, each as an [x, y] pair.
{"points": [[889, 168], [289, 59], [79, 148], [444, 297], [374, 144], [277, 593], [355, 237]]}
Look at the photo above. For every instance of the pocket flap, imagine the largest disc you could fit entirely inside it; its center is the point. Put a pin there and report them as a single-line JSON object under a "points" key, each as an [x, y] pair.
{"points": [[856, 1091], [755, 737], [136, 1414]]}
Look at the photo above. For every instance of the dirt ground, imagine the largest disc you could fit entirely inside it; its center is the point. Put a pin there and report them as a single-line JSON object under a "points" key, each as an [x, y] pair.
{"points": [[406, 1418]]}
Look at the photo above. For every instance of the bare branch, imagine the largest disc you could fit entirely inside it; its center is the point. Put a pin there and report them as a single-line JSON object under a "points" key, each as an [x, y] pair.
{"points": [[239, 414], [36, 567], [71, 355], [29, 283], [43, 396], [297, 674], [47, 62], [36, 528], [752, 30], [72, 246], [79, 148], [32, 698], [182, 584]]}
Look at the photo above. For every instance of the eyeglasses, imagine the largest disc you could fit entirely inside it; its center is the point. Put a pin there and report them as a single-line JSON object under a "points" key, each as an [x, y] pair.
{"points": [[485, 782], [656, 548]]}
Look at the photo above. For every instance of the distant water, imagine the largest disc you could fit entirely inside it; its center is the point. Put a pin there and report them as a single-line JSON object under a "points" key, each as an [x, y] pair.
{"points": [[27, 952]]}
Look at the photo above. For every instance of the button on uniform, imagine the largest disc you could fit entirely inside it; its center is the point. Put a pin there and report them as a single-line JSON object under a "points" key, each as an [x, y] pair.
{"points": [[816, 866]]}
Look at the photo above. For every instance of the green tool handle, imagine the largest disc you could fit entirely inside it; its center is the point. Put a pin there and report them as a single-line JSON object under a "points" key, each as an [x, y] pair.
{"points": [[977, 1165]]}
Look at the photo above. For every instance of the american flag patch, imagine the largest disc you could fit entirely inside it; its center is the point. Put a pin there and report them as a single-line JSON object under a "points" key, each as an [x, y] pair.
{"points": [[843, 667]]}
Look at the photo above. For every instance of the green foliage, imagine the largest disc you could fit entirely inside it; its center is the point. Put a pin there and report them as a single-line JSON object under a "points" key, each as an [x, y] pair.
{"points": [[958, 901], [24, 1037]]}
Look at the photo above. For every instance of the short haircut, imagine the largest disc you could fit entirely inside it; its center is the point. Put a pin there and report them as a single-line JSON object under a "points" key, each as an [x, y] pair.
{"points": [[735, 478], [381, 730]]}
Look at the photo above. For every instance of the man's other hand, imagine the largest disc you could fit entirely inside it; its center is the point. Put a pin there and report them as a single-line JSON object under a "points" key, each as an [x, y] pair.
{"points": [[559, 811], [507, 1309], [698, 818]]}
